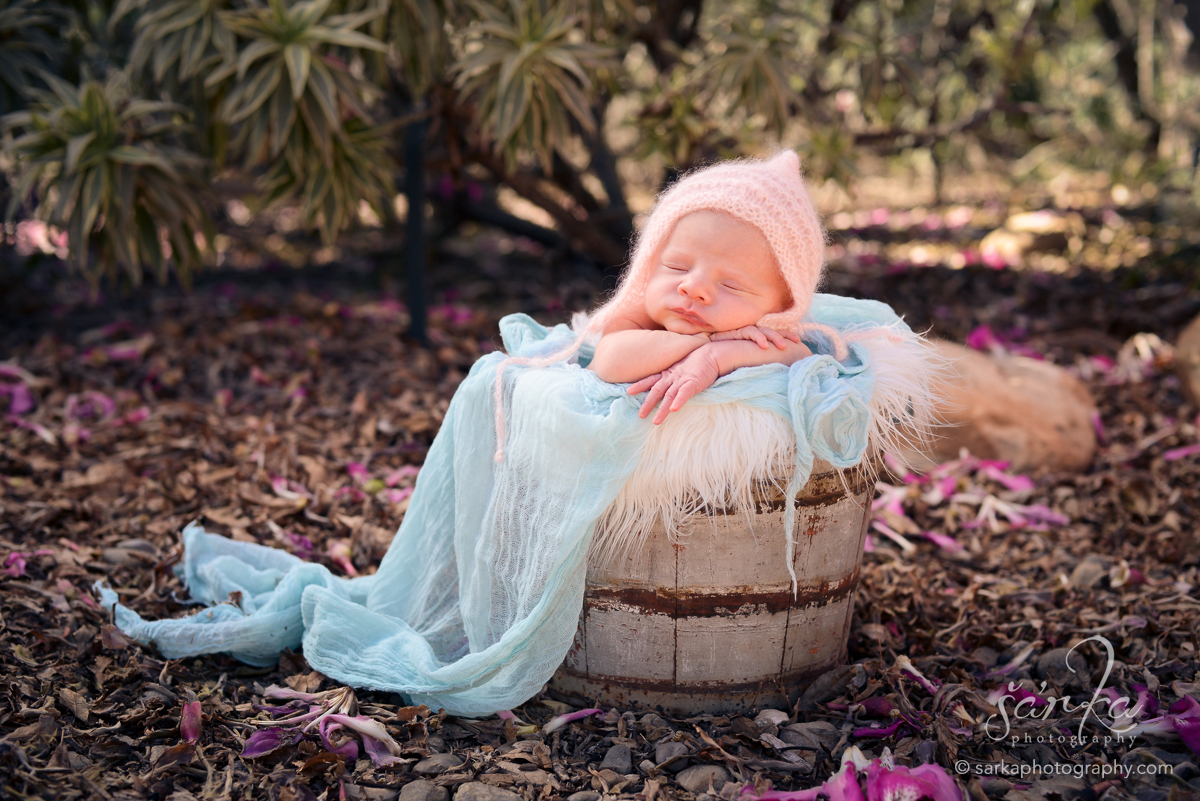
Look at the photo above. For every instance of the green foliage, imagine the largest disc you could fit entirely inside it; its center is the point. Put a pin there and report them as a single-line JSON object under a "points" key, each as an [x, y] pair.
{"points": [[750, 64], [26, 49], [301, 112], [527, 66], [188, 37], [101, 165], [307, 98]]}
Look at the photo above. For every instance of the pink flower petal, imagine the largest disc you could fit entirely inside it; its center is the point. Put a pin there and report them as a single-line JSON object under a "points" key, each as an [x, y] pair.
{"points": [[138, 415], [877, 706], [983, 338], [1175, 454], [398, 475], [20, 399], [558, 722], [1017, 693], [358, 471], [190, 722], [14, 565], [340, 553], [943, 541], [397, 495], [907, 667], [1017, 483], [264, 741], [906, 784]]}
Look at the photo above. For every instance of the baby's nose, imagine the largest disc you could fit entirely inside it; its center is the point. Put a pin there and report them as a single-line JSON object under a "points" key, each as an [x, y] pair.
{"points": [[695, 288]]}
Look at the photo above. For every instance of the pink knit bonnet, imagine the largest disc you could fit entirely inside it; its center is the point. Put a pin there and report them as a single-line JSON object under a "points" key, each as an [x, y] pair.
{"points": [[766, 193]]}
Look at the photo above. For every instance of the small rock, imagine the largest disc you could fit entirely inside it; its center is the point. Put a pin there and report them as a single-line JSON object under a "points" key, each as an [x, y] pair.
{"points": [[422, 790], [645, 766], [437, 763], [1027, 412], [698, 778], [584, 795], [1052, 666], [668, 750], [435, 743], [771, 717], [354, 792], [606, 776], [1089, 571], [651, 720], [478, 791], [618, 759]]}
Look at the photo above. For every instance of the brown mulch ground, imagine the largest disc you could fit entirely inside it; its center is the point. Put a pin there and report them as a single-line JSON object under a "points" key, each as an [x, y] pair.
{"points": [[177, 408]]}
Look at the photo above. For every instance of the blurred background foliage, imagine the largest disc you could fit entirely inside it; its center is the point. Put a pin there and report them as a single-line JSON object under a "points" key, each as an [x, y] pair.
{"points": [[555, 120]]}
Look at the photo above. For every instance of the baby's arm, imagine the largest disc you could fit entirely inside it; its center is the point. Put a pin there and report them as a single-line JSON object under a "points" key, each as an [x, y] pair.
{"points": [[699, 369], [734, 353], [633, 353]]}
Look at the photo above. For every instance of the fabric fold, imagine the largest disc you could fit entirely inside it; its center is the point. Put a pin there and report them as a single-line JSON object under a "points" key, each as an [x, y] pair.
{"points": [[477, 600]]}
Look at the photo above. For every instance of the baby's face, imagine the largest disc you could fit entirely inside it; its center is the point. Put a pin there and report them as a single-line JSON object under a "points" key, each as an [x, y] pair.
{"points": [[715, 273]]}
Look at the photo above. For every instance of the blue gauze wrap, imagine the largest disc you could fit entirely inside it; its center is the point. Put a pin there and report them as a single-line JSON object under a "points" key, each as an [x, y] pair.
{"points": [[477, 600]]}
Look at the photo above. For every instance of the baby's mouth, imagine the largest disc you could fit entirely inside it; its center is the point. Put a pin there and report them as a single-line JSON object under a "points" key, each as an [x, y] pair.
{"points": [[690, 317]]}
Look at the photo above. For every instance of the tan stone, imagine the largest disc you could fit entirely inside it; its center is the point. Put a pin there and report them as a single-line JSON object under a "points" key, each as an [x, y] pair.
{"points": [[1187, 361], [1028, 412]]}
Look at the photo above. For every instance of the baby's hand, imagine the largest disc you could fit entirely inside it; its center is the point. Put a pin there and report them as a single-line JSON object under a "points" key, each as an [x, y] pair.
{"points": [[762, 336], [679, 382]]}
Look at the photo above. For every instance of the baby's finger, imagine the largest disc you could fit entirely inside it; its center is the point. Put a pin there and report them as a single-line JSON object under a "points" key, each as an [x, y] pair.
{"points": [[686, 390], [656, 392], [637, 387], [758, 336], [664, 408], [776, 338]]}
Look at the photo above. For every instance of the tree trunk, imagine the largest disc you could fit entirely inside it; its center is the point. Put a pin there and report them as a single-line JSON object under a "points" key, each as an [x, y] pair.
{"points": [[415, 252]]}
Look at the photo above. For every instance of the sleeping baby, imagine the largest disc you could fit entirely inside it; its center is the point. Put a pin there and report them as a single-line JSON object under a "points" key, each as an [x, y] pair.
{"points": [[723, 273]]}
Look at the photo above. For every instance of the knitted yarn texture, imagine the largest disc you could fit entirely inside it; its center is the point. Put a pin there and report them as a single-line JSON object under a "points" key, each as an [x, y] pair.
{"points": [[768, 194]]}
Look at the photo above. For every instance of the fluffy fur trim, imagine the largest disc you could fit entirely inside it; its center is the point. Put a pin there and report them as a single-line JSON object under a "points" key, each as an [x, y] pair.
{"points": [[714, 456]]}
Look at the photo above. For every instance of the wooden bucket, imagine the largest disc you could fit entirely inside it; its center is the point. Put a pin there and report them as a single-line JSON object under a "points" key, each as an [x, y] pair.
{"points": [[712, 625]]}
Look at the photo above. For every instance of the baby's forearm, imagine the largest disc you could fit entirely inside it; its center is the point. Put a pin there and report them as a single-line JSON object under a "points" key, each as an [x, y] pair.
{"points": [[626, 356], [734, 353]]}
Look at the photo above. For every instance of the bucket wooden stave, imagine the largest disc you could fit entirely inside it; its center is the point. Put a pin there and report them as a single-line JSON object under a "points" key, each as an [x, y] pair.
{"points": [[712, 625]]}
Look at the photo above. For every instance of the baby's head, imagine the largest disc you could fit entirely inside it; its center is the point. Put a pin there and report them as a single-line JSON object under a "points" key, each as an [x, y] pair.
{"points": [[715, 273], [751, 218]]}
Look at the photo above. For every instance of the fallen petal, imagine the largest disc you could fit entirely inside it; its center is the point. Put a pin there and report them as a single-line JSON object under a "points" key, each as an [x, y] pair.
{"points": [[907, 784], [558, 722], [190, 722], [1017, 693], [931, 685], [264, 741], [943, 541], [1175, 454]]}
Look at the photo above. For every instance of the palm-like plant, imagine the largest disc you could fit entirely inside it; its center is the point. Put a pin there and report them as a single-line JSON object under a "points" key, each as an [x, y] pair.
{"points": [[25, 49], [299, 110], [102, 166], [189, 35], [529, 68], [750, 67]]}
